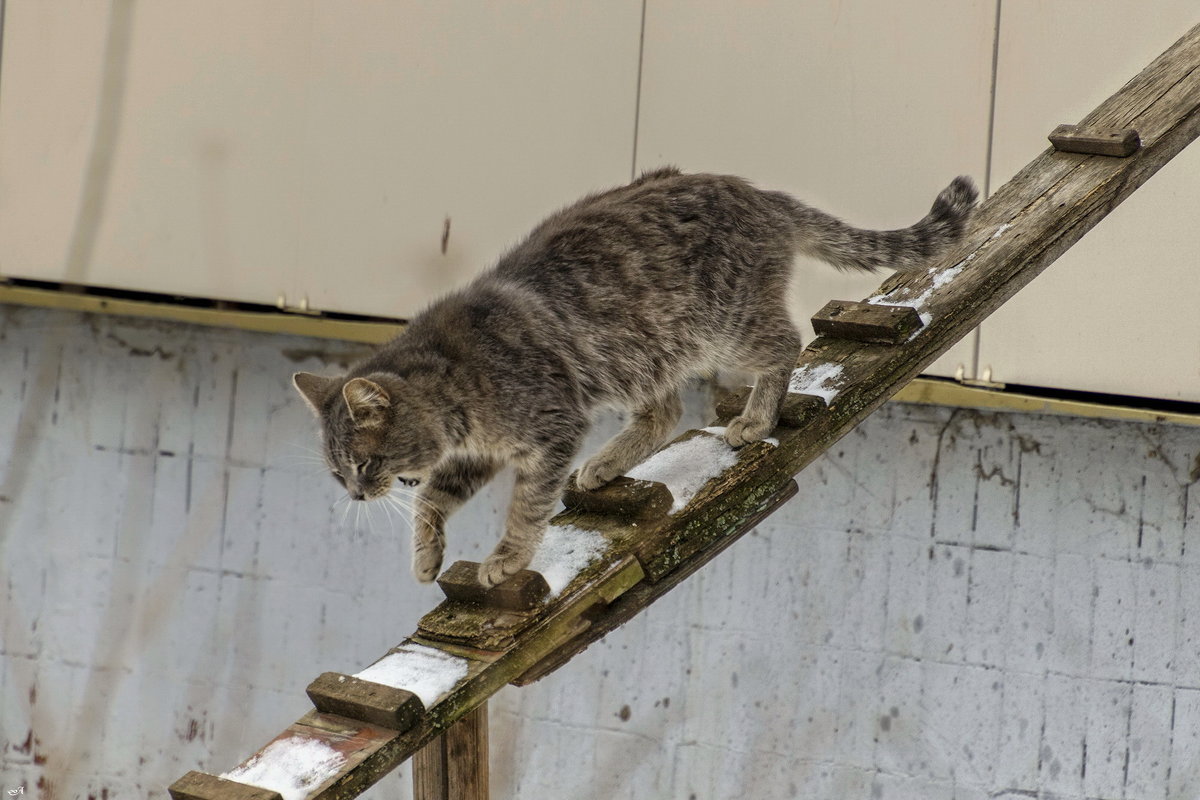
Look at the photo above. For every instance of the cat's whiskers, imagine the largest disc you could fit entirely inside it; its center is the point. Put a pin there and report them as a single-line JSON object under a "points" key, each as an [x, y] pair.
{"points": [[404, 498], [345, 501], [388, 511]]}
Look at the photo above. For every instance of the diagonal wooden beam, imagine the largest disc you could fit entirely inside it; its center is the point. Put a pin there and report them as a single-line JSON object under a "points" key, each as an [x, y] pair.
{"points": [[1016, 234]]}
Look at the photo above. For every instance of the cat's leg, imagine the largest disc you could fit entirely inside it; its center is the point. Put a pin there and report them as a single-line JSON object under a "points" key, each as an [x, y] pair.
{"points": [[540, 480], [652, 423], [773, 355], [450, 485]]}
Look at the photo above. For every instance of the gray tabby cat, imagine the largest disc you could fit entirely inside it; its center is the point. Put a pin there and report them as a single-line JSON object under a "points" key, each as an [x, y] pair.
{"points": [[614, 301]]}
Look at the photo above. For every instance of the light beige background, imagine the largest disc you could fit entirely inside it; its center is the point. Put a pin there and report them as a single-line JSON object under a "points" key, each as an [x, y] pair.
{"points": [[313, 151], [1119, 311], [309, 148]]}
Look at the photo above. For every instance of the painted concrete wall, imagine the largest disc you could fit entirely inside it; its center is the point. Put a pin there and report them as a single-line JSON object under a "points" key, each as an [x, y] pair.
{"points": [[956, 605]]}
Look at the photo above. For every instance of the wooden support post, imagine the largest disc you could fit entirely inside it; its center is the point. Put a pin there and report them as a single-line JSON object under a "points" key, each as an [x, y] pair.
{"points": [[454, 766]]}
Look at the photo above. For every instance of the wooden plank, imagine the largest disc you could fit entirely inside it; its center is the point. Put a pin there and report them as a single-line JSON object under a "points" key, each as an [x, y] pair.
{"points": [[202, 786], [624, 498], [493, 630], [633, 602], [866, 322], [1019, 231], [374, 703], [716, 509], [522, 592], [1095, 141]]}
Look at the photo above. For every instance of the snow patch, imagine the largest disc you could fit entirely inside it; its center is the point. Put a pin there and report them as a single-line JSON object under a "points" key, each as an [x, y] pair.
{"points": [[427, 672], [816, 380], [293, 767], [686, 466], [565, 552]]}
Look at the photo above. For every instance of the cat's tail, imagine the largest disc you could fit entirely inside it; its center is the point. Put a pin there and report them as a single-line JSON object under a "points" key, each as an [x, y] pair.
{"points": [[822, 236]]}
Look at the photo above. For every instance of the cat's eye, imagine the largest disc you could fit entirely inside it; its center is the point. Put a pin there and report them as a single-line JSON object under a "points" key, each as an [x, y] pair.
{"points": [[410, 481]]}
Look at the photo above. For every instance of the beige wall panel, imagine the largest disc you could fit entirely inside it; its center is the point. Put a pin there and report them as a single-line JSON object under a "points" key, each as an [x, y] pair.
{"points": [[1117, 313], [309, 148], [865, 109]]}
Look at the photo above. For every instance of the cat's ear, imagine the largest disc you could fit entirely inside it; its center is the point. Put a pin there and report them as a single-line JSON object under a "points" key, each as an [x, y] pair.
{"points": [[314, 389], [366, 400]]}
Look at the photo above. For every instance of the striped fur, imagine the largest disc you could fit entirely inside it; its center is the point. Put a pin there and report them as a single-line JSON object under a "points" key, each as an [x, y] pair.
{"points": [[614, 301]]}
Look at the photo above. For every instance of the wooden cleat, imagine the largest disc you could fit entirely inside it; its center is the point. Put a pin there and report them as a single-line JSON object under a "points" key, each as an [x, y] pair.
{"points": [[373, 703], [866, 322], [1095, 141], [625, 498], [796, 412], [522, 592], [202, 786]]}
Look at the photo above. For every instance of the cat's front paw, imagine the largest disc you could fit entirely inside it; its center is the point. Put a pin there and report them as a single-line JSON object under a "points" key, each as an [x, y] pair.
{"points": [[744, 430], [500, 566], [596, 473], [427, 563], [429, 546]]}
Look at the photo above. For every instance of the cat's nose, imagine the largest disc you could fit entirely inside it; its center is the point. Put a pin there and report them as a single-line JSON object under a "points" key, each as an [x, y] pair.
{"points": [[357, 494]]}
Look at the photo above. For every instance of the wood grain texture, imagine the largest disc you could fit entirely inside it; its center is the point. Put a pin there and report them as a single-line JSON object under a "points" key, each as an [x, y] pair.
{"points": [[348, 696], [866, 322], [202, 786], [454, 766], [624, 498], [522, 592], [1095, 141]]}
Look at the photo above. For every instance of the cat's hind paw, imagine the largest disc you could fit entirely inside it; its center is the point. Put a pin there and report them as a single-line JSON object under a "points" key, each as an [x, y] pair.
{"points": [[596, 472], [499, 567], [744, 430]]}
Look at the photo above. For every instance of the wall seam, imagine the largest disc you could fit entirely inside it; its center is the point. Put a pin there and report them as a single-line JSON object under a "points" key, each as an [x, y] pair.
{"points": [[976, 366], [637, 98]]}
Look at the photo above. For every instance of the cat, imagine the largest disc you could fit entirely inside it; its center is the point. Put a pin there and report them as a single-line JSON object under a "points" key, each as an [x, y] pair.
{"points": [[614, 301]]}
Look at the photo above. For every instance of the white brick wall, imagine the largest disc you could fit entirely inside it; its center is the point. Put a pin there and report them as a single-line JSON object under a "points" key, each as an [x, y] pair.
{"points": [[956, 605]]}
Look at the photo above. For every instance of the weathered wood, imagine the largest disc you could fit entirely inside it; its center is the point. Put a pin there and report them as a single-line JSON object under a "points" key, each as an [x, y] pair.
{"points": [[348, 696], [429, 771], [202, 786], [1019, 231], [866, 322], [522, 592], [493, 630], [797, 408], [605, 619], [715, 510], [624, 498], [467, 756], [471, 625], [454, 766], [1095, 141]]}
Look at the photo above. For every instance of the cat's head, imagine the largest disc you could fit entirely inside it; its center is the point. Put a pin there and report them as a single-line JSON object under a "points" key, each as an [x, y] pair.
{"points": [[373, 434]]}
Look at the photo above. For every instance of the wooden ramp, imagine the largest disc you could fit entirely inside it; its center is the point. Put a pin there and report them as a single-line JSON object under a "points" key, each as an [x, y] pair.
{"points": [[473, 644]]}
